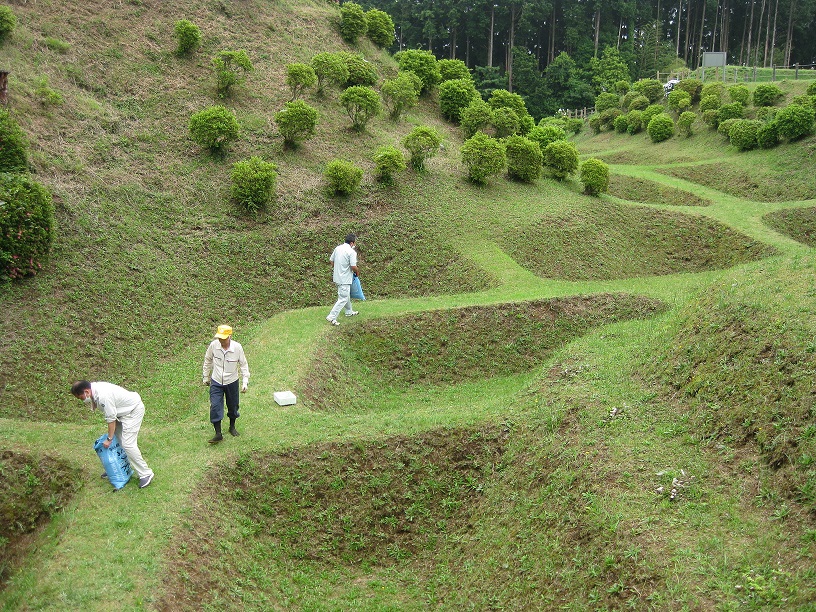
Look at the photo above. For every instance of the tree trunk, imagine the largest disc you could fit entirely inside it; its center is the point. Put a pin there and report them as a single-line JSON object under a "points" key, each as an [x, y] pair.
{"points": [[759, 34], [453, 43], [750, 32], [679, 14], [620, 33], [657, 34], [789, 37], [490, 38], [773, 37], [742, 44], [700, 38], [689, 12], [597, 27], [714, 29]]}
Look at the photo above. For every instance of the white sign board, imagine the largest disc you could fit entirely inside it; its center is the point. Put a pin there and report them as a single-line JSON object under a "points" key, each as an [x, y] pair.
{"points": [[713, 58]]}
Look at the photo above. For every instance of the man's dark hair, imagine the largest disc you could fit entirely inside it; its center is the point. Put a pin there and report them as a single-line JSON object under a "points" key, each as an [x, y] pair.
{"points": [[79, 387], [350, 238]]}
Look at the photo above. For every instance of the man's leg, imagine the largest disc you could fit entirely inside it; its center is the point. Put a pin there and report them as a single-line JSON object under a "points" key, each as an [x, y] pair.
{"points": [[343, 301], [128, 439], [216, 410], [232, 395]]}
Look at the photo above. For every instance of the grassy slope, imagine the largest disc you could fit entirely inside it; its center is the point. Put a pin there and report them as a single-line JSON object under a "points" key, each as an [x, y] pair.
{"points": [[574, 516]]}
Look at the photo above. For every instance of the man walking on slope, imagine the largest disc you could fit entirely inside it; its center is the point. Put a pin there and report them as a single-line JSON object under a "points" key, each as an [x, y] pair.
{"points": [[344, 261], [223, 359]]}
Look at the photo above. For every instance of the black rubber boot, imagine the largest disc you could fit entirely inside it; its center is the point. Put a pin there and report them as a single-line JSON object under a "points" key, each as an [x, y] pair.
{"points": [[218, 437], [232, 429]]}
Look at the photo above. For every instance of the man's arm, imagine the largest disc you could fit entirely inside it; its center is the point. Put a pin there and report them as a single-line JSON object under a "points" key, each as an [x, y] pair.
{"points": [[111, 433], [242, 362], [207, 371]]}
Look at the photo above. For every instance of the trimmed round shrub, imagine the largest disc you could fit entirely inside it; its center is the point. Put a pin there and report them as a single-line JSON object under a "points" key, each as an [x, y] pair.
{"points": [[739, 93], [693, 87], [477, 116], [545, 134], [634, 100], [594, 176], [455, 96], [711, 118], [766, 113], [743, 134], [651, 88], [660, 128], [400, 94], [380, 28], [712, 89], [188, 36], [423, 64], [634, 121], [296, 122], [802, 100], [353, 22], [651, 111], [767, 94], [524, 158], [505, 122], [501, 98], [26, 225], [362, 104], [422, 143], [230, 68], [622, 87], [13, 144], [388, 161], [595, 123], [253, 183], [685, 121], [342, 177], [450, 69], [709, 103], [329, 68], [811, 89], [606, 100], [768, 136], [608, 118], [300, 77], [679, 100], [574, 125], [734, 110], [561, 159], [724, 127], [8, 21], [483, 156], [361, 71], [794, 121], [214, 128]]}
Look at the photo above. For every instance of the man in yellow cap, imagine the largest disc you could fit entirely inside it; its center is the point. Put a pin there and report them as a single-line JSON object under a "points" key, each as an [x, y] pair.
{"points": [[222, 361]]}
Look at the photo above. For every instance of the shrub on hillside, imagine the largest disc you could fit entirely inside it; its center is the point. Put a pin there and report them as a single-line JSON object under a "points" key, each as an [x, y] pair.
{"points": [[685, 122], [253, 183], [505, 122], [214, 128], [634, 121], [768, 136], [660, 128], [709, 103], [296, 122], [679, 100], [811, 89], [561, 159], [743, 134], [545, 134], [300, 77], [422, 143], [477, 116], [606, 100], [651, 88], [595, 123], [361, 71], [794, 121], [26, 225], [450, 69], [342, 177], [574, 125], [8, 21], [388, 161], [188, 36], [622, 87], [712, 89], [230, 68], [456, 95], [693, 87], [651, 111], [13, 144], [380, 28], [724, 127], [399, 94], [353, 22], [734, 110], [362, 104], [766, 113], [607, 118], [483, 156], [711, 118], [594, 176], [739, 93], [802, 100], [501, 98], [524, 158], [634, 100], [329, 68], [423, 64], [767, 94]]}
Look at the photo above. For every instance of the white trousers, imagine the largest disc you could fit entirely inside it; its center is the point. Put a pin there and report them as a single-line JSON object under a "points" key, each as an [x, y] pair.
{"points": [[343, 301], [127, 430]]}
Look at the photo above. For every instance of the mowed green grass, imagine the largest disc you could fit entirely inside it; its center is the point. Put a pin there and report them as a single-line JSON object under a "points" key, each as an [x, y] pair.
{"points": [[547, 485]]}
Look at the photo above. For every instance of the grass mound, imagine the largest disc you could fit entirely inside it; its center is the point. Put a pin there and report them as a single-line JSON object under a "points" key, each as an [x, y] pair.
{"points": [[32, 490], [605, 241], [744, 357], [261, 525], [452, 346], [798, 223], [640, 190]]}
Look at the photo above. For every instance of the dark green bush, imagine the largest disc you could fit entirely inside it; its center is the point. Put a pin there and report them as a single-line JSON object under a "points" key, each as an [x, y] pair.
{"points": [[388, 161], [26, 225], [794, 121], [739, 93], [456, 95], [13, 144], [505, 122], [422, 143], [477, 116], [622, 87], [724, 127], [450, 69], [621, 124], [606, 100], [734, 110], [712, 89], [766, 113], [329, 68], [342, 177], [651, 88], [253, 183], [634, 121], [362, 104], [545, 134], [634, 100], [679, 100], [594, 176], [524, 158], [230, 68], [685, 122], [400, 94], [768, 136], [660, 128], [711, 118], [710, 103], [353, 22], [501, 98], [608, 118], [8, 21], [214, 128], [811, 89], [743, 134], [188, 36], [561, 159], [693, 87], [483, 156], [651, 111], [423, 64], [767, 94], [574, 125], [595, 123], [361, 71], [296, 122], [380, 28]]}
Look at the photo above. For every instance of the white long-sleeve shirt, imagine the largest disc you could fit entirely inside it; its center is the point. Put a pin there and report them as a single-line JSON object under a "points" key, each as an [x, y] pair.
{"points": [[114, 401], [222, 366]]}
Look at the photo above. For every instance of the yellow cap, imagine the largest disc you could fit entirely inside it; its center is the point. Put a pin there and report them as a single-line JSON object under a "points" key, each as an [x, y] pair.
{"points": [[224, 331]]}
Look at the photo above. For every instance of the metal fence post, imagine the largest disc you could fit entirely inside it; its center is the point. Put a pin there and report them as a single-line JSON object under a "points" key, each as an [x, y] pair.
{"points": [[773, 72], [796, 74]]}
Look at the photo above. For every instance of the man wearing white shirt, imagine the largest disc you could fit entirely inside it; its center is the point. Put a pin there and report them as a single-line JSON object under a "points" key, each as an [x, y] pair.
{"points": [[123, 410], [222, 362], [344, 261]]}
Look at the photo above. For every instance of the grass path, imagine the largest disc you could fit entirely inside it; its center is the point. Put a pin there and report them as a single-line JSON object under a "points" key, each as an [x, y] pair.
{"points": [[108, 547]]}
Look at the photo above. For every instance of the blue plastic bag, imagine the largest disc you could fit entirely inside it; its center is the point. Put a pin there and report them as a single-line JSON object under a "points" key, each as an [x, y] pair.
{"points": [[114, 460], [356, 289]]}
